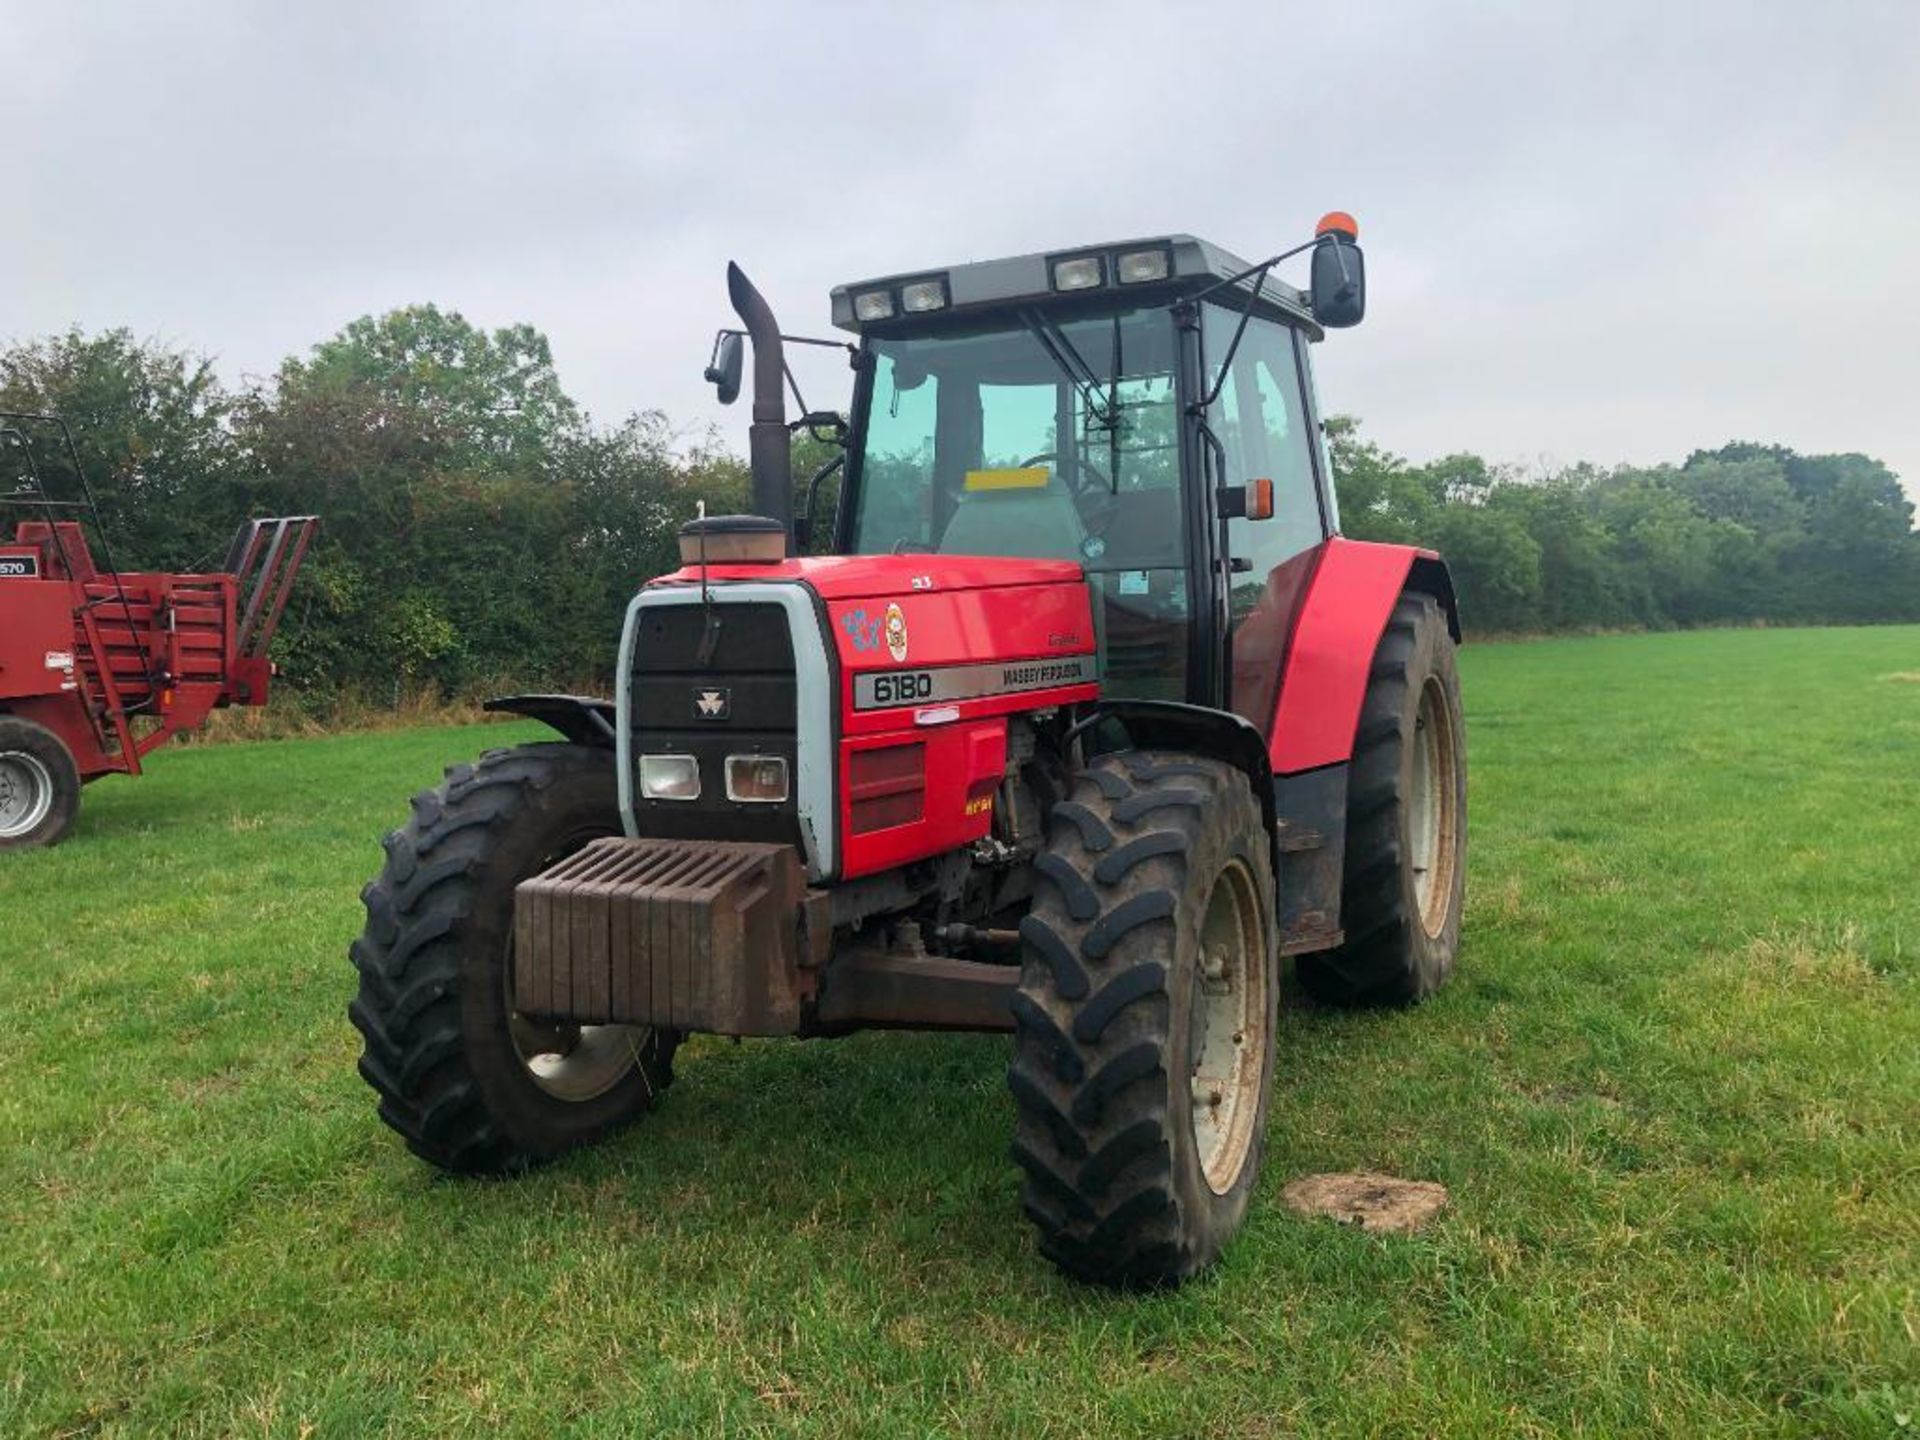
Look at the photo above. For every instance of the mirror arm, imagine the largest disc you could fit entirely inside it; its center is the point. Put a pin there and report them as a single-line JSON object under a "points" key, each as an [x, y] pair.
{"points": [[845, 345], [713, 376], [793, 384], [814, 421], [1258, 274], [799, 400], [1346, 273], [1261, 270]]}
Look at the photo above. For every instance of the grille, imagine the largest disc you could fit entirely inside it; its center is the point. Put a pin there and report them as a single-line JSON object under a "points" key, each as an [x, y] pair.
{"points": [[749, 658]]}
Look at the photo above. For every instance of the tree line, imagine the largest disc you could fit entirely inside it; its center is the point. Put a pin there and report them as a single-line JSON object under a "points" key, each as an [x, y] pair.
{"points": [[481, 531], [1746, 533]]}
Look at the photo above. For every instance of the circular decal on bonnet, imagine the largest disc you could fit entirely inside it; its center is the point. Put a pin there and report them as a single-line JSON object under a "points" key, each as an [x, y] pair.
{"points": [[896, 633]]}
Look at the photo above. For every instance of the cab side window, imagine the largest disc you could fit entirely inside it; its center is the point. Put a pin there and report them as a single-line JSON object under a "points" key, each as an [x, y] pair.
{"points": [[1261, 422]]}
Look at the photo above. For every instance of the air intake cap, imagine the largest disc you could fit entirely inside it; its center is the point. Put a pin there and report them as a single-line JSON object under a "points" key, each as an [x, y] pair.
{"points": [[733, 540]]}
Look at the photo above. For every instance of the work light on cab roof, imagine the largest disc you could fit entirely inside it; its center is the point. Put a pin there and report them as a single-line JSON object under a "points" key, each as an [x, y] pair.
{"points": [[1086, 716], [1163, 261]]}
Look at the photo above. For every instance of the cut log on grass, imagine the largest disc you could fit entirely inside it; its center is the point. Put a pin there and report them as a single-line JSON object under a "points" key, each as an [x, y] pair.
{"points": [[1373, 1202]]}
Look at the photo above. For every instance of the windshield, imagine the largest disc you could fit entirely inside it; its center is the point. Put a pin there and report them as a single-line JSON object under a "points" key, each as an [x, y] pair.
{"points": [[1035, 436], [972, 437]]}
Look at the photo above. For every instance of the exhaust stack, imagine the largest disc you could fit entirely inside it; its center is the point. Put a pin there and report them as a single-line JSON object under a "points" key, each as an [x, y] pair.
{"points": [[768, 440]]}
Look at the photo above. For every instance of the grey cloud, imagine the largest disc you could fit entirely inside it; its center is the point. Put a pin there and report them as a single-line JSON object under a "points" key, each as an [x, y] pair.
{"points": [[1594, 232]]}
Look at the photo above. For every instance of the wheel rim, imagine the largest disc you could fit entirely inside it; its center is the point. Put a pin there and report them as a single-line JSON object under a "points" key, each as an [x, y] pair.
{"points": [[1433, 820], [572, 1062], [26, 793], [576, 1062], [1229, 1030]]}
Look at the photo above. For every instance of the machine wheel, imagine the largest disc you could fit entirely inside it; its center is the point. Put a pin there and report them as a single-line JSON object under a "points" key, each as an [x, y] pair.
{"points": [[469, 1084], [39, 785], [1144, 1019], [1406, 823]]}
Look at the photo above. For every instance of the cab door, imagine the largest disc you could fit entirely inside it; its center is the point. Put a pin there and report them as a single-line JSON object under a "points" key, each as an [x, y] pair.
{"points": [[1268, 429]]}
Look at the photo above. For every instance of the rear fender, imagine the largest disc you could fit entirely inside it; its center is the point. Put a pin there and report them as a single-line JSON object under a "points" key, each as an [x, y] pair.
{"points": [[583, 719], [1322, 686], [1324, 678]]}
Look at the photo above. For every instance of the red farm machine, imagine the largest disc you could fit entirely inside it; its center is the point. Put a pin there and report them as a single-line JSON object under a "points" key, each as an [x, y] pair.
{"points": [[1090, 716], [99, 666]]}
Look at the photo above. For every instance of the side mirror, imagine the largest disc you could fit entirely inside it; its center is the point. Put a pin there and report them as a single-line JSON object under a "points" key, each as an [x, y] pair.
{"points": [[1339, 287], [723, 370]]}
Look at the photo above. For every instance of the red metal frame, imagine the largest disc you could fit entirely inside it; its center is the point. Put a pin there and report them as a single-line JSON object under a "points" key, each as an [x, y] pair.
{"points": [[85, 655]]}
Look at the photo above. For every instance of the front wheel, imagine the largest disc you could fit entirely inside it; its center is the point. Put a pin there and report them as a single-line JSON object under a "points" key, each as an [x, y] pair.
{"points": [[1144, 1039], [39, 786], [469, 1083]]}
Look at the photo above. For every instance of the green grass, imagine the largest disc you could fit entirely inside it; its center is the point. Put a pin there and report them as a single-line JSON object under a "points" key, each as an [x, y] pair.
{"points": [[1674, 1089]]}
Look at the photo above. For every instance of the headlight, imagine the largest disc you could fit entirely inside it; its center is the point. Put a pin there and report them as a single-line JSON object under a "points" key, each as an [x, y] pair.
{"points": [[669, 777], [923, 295], [760, 779], [1083, 273], [873, 305], [1138, 267]]}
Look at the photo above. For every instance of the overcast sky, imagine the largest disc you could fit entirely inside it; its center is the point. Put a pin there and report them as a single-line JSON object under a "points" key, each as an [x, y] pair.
{"points": [[1611, 231]]}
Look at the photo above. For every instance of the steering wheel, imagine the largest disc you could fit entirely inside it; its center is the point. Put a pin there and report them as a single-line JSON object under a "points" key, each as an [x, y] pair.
{"points": [[1075, 474], [1092, 497]]}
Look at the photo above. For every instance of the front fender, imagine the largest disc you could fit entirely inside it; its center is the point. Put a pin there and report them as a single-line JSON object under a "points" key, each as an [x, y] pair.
{"points": [[1170, 725], [583, 719]]}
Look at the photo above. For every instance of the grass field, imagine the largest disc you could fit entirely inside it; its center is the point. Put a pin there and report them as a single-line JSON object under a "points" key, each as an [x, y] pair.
{"points": [[1675, 1091]]}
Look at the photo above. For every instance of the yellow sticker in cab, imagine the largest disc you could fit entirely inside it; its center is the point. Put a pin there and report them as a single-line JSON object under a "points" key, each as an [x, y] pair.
{"points": [[1026, 477]]}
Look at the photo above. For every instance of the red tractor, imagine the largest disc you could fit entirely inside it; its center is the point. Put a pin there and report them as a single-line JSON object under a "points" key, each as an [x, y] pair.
{"points": [[1091, 716], [98, 667]]}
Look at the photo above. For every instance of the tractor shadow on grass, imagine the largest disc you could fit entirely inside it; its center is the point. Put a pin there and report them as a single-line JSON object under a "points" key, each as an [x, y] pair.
{"points": [[887, 1146], [882, 1150]]}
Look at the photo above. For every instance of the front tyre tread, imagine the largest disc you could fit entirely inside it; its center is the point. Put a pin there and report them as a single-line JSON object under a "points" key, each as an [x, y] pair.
{"points": [[432, 1005], [1100, 1075]]}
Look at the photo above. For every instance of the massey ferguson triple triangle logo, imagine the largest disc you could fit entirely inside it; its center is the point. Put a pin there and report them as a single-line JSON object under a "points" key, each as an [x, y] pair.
{"points": [[712, 703]]}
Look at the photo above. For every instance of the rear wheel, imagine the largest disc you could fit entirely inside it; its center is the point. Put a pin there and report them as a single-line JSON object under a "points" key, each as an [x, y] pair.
{"points": [[1145, 1019], [1406, 823], [39, 786], [469, 1083]]}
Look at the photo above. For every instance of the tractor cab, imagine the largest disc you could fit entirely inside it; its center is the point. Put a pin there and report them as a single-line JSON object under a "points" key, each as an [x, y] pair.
{"points": [[1145, 409]]}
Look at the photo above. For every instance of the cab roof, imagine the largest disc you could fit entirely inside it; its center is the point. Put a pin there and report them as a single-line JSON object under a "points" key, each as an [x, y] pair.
{"points": [[1191, 264]]}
